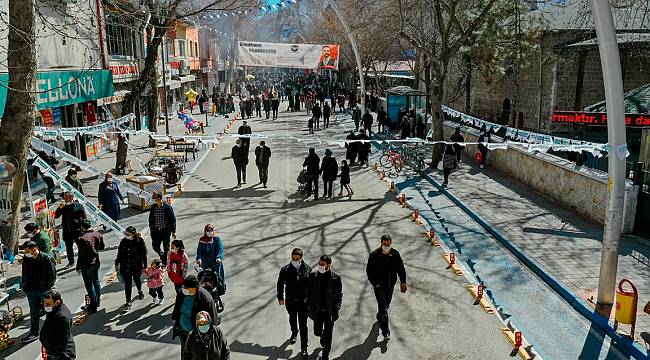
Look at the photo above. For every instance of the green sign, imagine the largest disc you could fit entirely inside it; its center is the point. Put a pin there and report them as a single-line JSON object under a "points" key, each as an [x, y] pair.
{"points": [[66, 87]]}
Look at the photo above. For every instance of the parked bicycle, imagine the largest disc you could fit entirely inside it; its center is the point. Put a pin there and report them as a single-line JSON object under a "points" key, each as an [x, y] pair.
{"points": [[392, 159]]}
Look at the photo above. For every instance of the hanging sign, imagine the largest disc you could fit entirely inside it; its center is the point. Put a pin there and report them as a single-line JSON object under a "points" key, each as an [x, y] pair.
{"points": [[295, 56]]}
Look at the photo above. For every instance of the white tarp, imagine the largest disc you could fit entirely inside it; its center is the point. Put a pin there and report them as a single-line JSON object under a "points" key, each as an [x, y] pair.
{"points": [[296, 56]]}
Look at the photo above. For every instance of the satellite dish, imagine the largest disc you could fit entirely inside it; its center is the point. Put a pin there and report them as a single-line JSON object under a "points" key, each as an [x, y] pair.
{"points": [[8, 168]]}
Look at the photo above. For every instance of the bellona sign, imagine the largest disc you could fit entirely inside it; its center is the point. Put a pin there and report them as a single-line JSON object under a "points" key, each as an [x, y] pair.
{"points": [[597, 119]]}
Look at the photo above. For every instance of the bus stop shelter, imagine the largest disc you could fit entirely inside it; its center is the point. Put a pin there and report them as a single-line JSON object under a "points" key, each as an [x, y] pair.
{"points": [[406, 99]]}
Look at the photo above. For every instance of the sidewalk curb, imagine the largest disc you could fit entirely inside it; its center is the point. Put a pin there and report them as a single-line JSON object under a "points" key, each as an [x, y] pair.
{"points": [[633, 348]]}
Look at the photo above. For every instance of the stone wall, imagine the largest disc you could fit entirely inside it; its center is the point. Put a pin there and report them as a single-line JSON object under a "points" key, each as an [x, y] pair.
{"points": [[579, 188]]}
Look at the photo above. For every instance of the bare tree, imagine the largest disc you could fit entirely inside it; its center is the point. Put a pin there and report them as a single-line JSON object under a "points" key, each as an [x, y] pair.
{"points": [[16, 130]]}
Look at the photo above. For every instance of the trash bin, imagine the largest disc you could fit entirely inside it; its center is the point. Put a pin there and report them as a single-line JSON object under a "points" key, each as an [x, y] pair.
{"points": [[626, 305], [148, 183]]}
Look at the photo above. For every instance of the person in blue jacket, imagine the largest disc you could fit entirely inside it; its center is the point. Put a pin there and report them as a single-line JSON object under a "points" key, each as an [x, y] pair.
{"points": [[109, 197], [209, 254]]}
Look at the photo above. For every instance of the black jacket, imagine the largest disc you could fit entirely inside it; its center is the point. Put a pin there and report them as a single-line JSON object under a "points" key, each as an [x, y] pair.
{"points": [[367, 119], [312, 162], [296, 283], [333, 299], [383, 269], [275, 104], [170, 218], [90, 243], [203, 302], [39, 273], [73, 215], [329, 168], [327, 110], [56, 334], [262, 156], [209, 346], [457, 137], [239, 155], [131, 256], [244, 130], [316, 111]]}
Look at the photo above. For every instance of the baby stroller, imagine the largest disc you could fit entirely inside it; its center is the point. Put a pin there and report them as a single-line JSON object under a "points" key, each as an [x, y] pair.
{"points": [[210, 280], [302, 182]]}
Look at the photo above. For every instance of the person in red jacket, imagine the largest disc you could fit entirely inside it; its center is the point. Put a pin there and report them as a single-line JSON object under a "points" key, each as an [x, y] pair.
{"points": [[177, 263]]}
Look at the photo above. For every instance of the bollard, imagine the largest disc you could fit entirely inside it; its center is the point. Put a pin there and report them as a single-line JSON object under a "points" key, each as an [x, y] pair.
{"points": [[479, 291], [432, 234], [43, 353], [517, 339], [179, 187], [383, 174], [402, 199], [452, 259], [392, 186], [416, 214], [375, 167]]}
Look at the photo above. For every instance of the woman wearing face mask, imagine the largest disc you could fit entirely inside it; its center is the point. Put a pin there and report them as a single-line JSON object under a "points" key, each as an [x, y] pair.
{"points": [[109, 197], [177, 263], [73, 179], [209, 253], [207, 342], [131, 261]]}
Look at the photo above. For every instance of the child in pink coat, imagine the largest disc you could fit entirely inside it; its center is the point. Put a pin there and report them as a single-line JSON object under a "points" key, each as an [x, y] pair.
{"points": [[154, 274]]}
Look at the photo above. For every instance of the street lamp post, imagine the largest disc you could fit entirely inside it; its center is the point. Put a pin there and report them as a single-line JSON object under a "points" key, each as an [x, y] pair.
{"points": [[164, 83], [353, 42], [617, 147]]}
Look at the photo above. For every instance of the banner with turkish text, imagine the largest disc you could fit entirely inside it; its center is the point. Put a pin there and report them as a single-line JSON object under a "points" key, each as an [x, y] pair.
{"points": [[295, 56]]}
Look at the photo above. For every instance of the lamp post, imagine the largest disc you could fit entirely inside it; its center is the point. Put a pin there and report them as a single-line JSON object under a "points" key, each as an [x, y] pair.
{"points": [[617, 147], [164, 81], [353, 42]]}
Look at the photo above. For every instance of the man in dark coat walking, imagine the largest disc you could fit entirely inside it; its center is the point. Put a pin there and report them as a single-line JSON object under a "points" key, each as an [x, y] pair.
{"points": [[312, 163], [384, 266], [262, 156], [239, 156], [275, 105], [72, 214], [90, 243], [38, 276], [294, 277], [327, 111], [245, 129], [457, 137], [162, 226], [356, 117], [352, 147], [316, 112], [267, 106], [56, 333], [325, 299], [367, 121], [363, 148], [329, 169]]}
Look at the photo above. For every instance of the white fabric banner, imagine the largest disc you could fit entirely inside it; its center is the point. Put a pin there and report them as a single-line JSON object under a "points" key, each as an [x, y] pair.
{"points": [[296, 56]]}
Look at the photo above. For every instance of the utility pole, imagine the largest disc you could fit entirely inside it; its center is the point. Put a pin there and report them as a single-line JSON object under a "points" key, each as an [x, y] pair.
{"points": [[353, 42], [617, 147], [164, 81]]}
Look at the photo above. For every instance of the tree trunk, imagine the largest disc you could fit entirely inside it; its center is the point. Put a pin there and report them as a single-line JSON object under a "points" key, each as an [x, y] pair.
{"points": [[146, 80], [16, 129], [436, 95]]}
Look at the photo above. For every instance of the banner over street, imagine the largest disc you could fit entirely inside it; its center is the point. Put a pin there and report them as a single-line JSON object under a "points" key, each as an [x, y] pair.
{"points": [[296, 56]]}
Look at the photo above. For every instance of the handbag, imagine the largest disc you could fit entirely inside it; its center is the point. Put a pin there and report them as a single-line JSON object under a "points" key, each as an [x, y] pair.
{"points": [[478, 157]]}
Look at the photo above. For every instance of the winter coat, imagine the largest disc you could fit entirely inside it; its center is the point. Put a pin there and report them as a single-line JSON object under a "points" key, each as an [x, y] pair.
{"points": [[312, 162], [203, 302], [89, 245], [73, 215], [333, 299], [208, 251], [449, 161], [345, 174], [383, 269], [316, 111], [39, 273], [239, 155], [56, 334], [75, 184], [363, 148], [356, 115], [155, 278], [267, 105], [352, 147], [209, 346], [327, 110], [295, 282], [177, 265], [262, 156], [170, 218], [131, 256], [244, 130], [275, 104], [367, 119], [109, 198], [483, 138], [43, 242], [329, 168]]}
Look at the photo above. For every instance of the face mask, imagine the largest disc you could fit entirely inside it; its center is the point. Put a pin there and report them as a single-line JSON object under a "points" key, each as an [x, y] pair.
{"points": [[109, 180], [174, 251], [385, 248], [68, 202], [204, 328], [238, 145], [29, 255], [48, 308], [129, 237], [321, 269], [186, 292], [73, 177], [295, 264], [209, 233]]}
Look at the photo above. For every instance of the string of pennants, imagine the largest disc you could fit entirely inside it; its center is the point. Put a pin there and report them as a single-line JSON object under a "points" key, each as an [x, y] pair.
{"points": [[261, 11], [68, 134], [92, 211]]}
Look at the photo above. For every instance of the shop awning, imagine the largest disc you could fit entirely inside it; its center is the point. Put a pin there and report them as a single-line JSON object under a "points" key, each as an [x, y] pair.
{"points": [[116, 98]]}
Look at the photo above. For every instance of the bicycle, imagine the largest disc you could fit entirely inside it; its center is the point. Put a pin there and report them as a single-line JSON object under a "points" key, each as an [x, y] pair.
{"points": [[392, 159], [414, 158]]}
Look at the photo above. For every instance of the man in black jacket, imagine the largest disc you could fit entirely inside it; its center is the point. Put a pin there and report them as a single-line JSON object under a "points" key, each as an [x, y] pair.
{"points": [[191, 300], [295, 278], [262, 156], [162, 226], [245, 129], [90, 243], [367, 121], [458, 137], [72, 214], [312, 163], [327, 110], [38, 276], [325, 299], [329, 168], [239, 155], [275, 104], [316, 112], [384, 266], [56, 334]]}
